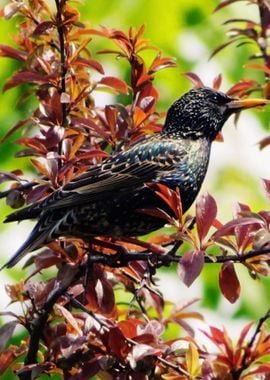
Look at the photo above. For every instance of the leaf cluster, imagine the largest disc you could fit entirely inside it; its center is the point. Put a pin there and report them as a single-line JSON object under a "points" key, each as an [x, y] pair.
{"points": [[75, 325]]}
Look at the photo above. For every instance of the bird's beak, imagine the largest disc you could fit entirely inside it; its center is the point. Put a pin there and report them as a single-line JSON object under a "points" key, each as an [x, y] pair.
{"points": [[239, 104]]}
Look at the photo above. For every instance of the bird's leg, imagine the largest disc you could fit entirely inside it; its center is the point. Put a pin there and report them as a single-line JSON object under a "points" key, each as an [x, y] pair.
{"points": [[118, 257], [174, 249]]}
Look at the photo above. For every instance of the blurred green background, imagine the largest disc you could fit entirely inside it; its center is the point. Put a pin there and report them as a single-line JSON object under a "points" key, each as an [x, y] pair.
{"points": [[189, 31]]}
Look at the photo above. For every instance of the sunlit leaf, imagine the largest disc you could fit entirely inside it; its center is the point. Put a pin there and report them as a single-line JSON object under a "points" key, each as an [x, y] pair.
{"points": [[192, 360], [258, 66], [116, 83], [190, 266]]}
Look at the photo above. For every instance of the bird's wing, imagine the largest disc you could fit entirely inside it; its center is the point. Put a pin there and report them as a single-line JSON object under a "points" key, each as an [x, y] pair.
{"points": [[125, 171]]}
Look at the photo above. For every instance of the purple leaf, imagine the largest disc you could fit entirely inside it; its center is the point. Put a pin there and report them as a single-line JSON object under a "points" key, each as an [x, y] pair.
{"points": [[229, 228], [11, 176], [43, 27], [36, 193], [190, 266], [6, 332]]}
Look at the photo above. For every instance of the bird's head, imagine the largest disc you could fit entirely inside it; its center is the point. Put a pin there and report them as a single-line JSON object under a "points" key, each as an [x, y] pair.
{"points": [[202, 113]]}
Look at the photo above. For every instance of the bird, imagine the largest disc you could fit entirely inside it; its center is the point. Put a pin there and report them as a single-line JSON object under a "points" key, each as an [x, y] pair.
{"points": [[106, 200]]}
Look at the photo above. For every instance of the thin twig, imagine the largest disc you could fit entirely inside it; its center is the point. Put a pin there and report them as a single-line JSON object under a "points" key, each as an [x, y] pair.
{"points": [[22, 187], [254, 336], [61, 35], [39, 323], [248, 349], [79, 305]]}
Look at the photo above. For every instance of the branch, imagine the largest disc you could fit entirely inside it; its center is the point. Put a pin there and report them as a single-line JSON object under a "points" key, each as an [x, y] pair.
{"points": [[22, 187], [264, 12], [123, 257], [61, 35], [41, 320], [248, 348]]}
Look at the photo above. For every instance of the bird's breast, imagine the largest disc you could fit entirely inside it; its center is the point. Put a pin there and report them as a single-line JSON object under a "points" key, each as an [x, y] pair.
{"points": [[190, 171]]}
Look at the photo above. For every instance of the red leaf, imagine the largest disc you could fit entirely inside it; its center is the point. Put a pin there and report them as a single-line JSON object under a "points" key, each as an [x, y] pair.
{"points": [[89, 63], [117, 343], [228, 282], [129, 327], [262, 369], [190, 266], [206, 212], [266, 185], [139, 117], [8, 357], [229, 228], [258, 66], [245, 20], [195, 79], [241, 87], [224, 4], [25, 77], [46, 259], [217, 82], [8, 51], [42, 28], [171, 198], [243, 335], [116, 83], [89, 124], [264, 142], [17, 126], [243, 232], [160, 63], [111, 117], [32, 142], [93, 153], [221, 47], [157, 213]]}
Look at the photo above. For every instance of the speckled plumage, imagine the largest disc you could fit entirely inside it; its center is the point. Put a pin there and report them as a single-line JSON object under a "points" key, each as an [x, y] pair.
{"points": [[105, 201]]}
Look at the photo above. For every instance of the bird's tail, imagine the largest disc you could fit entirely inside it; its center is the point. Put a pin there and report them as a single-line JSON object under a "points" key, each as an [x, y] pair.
{"points": [[35, 240]]}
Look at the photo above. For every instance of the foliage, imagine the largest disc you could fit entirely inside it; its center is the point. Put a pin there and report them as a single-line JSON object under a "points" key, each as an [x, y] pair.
{"points": [[75, 326]]}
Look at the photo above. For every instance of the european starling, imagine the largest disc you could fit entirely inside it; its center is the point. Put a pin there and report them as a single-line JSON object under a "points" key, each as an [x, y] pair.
{"points": [[106, 200]]}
